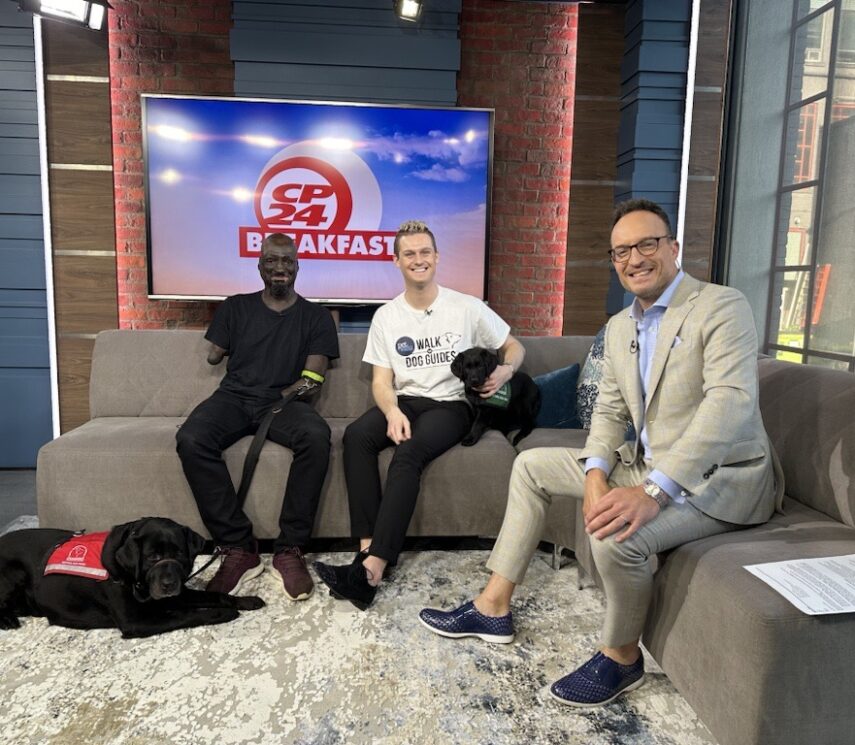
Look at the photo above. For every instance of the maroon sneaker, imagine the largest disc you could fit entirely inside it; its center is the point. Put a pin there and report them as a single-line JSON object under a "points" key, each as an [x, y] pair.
{"points": [[237, 566], [289, 562]]}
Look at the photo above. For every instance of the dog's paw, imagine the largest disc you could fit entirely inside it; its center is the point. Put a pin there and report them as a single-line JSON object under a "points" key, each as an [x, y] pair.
{"points": [[249, 602], [9, 621]]}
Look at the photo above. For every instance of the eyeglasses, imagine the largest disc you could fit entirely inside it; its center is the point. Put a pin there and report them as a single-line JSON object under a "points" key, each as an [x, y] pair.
{"points": [[646, 247]]}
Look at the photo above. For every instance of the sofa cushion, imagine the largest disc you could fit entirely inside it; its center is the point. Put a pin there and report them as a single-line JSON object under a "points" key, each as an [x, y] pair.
{"points": [[558, 398], [150, 373], [711, 621], [544, 437], [809, 413]]}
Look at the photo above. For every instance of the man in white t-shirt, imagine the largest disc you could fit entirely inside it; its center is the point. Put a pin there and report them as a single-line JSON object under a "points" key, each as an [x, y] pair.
{"points": [[421, 407]]}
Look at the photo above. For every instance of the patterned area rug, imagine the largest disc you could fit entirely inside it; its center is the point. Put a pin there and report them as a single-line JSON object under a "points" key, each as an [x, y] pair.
{"points": [[322, 673]]}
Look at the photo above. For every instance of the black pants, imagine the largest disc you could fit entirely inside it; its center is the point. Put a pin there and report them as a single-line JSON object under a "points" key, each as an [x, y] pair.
{"points": [[222, 420], [435, 427]]}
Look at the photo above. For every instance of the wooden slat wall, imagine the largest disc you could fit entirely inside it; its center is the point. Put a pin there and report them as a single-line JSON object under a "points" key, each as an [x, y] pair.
{"points": [[592, 184], [77, 93], [351, 50]]}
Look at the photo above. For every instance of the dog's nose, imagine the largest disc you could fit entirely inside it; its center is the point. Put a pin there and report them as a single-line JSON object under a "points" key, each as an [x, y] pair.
{"points": [[169, 586]]}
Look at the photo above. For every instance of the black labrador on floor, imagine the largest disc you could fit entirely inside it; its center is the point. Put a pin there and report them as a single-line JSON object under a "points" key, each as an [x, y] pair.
{"points": [[148, 561], [473, 366]]}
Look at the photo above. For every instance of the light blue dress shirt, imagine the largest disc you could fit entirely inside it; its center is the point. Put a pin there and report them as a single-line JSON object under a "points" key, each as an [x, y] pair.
{"points": [[647, 323]]}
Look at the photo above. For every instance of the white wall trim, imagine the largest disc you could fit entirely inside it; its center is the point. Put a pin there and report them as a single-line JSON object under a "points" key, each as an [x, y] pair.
{"points": [[687, 122], [46, 224]]}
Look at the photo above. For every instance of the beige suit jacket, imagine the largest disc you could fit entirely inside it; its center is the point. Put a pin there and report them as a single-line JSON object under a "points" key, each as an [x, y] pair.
{"points": [[701, 412]]}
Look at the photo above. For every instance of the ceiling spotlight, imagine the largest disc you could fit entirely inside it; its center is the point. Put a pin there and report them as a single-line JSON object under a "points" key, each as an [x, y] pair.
{"points": [[408, 10], [87, 13]]}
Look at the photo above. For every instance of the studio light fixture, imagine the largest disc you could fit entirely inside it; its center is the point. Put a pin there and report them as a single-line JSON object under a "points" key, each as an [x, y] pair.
{"points": [[408, 10], [87, 13]]}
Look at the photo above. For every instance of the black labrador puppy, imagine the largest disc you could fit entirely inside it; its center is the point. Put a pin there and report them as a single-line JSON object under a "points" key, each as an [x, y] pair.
{"points": [[147, 563], [473, 366]]}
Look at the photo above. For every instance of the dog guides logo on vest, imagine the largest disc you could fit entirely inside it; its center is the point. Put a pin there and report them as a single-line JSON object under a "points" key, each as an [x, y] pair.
{"points": [[326, 198], [80, 556], [428, 351]]}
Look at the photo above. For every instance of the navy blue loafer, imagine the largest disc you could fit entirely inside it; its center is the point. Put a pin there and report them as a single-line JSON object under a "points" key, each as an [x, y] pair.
{"points": [[468, 621], [599, 681]]}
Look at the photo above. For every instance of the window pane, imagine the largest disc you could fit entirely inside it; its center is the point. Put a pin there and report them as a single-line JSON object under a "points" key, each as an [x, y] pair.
{"points": [[846, 44], [795, 228], [804, 138], [810, 57], [805, 7], [787, 326], [833, 317], [788, 356], [823, 362]]}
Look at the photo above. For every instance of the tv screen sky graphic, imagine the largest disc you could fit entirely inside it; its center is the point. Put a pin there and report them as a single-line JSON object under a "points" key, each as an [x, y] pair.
{"points": [[223, 173]]}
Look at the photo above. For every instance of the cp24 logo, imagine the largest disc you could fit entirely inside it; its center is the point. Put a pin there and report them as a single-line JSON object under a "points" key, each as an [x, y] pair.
{"points": [[321, 198]]}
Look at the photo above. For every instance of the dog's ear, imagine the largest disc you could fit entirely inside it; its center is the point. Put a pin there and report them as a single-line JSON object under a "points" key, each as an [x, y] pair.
{"points": [[127, 555], [121, 552], [195, 542], [490, 360], [457, 366]]}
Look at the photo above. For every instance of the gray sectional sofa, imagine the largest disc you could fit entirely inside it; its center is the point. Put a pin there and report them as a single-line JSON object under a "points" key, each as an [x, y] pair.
{"points": [[754, 668], [122, 463]]}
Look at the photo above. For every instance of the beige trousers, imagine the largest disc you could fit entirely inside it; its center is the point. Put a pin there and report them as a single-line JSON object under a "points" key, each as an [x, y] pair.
{"points": [[543, 474]]}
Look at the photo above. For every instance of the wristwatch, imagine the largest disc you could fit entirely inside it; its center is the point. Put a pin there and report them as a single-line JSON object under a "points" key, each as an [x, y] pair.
{"points": [[654, 491]]}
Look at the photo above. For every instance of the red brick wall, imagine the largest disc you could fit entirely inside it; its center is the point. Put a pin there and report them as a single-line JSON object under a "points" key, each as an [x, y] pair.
{"points": [[157, 46], [520, 58]]}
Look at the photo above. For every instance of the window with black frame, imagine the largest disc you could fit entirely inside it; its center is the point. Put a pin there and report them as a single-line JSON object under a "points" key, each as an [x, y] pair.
{"points": [[811, 312]]}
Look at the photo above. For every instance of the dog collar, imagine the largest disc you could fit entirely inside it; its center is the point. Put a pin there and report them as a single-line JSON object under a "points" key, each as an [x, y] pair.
{"points": [[501, 398], [79, 556]]}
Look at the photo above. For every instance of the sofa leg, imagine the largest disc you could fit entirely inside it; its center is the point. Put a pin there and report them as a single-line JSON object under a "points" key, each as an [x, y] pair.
{"points": [[582, 578], [558, 560]]}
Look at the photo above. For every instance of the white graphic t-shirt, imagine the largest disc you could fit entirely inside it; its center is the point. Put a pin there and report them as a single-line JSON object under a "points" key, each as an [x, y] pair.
{"points": [[420, 345]]}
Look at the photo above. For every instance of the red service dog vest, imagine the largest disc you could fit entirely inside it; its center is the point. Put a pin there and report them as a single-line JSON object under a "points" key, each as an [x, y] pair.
{"points": [[80, 555]]}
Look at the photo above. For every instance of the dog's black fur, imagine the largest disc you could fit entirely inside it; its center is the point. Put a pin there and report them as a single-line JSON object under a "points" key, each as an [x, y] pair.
{"points": [[473, 366], [148, 561]]}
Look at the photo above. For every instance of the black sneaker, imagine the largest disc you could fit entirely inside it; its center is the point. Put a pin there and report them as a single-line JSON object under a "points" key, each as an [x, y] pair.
{"points": [[348, 582]]}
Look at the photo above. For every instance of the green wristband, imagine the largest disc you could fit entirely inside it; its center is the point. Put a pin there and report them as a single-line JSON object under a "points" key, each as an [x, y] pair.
{"points": [[317, 377]]}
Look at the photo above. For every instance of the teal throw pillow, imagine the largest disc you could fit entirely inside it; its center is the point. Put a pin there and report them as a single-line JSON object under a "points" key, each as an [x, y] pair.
{"points": [[558, 398]]}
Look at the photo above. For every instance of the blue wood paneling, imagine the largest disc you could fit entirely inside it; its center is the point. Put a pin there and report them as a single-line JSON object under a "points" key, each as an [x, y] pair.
{"points": [[25, 424], [25, 403], [354, 50], [653, 98]]}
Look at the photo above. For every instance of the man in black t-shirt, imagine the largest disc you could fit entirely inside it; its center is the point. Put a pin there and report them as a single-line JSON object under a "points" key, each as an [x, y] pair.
{"points": [[274, 339]]}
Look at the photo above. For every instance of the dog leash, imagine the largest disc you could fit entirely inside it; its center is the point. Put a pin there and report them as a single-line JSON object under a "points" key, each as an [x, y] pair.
{"points": [[311, 381]]}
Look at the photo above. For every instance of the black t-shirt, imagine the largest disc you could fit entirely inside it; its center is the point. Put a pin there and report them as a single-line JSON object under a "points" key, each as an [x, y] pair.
{"points": [[267, 350]]}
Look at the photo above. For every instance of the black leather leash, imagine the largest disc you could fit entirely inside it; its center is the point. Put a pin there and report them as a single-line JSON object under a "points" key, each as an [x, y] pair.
{"points": [[260, 436]]}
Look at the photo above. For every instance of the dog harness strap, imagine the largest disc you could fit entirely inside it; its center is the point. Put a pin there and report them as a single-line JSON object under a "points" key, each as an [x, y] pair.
{"points": [[251, 459], [80, 556], [501, 399]]}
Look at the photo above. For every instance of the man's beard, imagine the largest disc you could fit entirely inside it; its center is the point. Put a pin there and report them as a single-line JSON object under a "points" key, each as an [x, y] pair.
{"points": [[279, 290]]}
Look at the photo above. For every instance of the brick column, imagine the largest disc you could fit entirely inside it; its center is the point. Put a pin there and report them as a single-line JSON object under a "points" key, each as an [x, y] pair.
{"points": [[157, 47], [520, 58]]}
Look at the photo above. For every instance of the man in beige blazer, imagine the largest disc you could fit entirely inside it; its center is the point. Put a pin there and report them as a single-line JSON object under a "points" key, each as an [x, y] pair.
{"points": [[681, 364]]}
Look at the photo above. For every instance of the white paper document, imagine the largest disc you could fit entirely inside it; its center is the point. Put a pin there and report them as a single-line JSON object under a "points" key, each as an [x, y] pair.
{"points": [[814, 586]]}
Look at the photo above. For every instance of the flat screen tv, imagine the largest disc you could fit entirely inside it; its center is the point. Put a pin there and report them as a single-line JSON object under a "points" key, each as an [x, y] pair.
{"points": [[221, 173]]}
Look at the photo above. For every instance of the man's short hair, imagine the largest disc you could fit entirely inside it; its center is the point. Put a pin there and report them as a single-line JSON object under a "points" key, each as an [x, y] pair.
{"points": [[413, 227], [641, 205], [280, 240]]}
